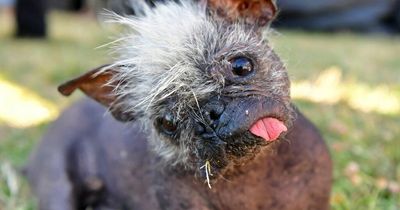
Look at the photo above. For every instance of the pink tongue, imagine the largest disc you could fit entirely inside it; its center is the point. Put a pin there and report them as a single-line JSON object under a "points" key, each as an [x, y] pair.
{"points": [[268, 128]]}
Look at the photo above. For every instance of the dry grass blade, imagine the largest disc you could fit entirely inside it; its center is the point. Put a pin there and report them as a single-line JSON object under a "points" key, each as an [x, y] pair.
{"points": [[207, 168]]}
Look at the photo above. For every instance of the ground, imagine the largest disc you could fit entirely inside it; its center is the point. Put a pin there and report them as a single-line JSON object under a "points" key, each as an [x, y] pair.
{"points": [[347, 84]]}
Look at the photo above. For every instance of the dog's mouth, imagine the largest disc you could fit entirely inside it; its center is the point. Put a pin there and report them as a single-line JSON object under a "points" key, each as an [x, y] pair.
{"points": [[261, 133], [240, 136]]}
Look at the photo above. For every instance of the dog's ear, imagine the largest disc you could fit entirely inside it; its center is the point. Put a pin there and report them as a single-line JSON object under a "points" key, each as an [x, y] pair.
{"points": [[259, 13], [98, 84]]}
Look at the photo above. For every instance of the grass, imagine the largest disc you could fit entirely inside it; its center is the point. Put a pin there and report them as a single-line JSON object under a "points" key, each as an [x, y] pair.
{"points": [[356, 106]]}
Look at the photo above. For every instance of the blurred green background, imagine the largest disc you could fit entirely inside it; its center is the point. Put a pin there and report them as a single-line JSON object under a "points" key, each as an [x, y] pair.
{"points": [[347, 84]]}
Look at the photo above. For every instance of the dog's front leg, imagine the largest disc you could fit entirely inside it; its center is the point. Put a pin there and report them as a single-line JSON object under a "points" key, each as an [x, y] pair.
{"points": [[53, 187], [56, 168]]}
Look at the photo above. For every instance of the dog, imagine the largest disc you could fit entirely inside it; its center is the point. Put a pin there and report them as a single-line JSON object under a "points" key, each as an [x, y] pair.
{"points": [[195, 113]]}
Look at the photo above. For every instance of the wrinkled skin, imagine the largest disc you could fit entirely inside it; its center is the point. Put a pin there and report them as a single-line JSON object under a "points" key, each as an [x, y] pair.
{"points": [[90, 159]]}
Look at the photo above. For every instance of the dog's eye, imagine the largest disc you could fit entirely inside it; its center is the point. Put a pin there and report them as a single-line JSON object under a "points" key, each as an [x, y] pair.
{"points": [[168, 124], [242, 66]]}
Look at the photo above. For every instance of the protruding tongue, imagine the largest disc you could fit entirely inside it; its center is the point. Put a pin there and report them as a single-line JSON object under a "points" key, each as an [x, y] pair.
{"points": [[268, 128]]}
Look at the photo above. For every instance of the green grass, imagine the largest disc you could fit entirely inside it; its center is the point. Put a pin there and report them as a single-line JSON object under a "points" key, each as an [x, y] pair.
{"points": [[365, 145]]}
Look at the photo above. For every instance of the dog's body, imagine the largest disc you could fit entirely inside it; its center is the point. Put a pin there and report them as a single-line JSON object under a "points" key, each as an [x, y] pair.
{"points": [[105, 164], [206, 101]]}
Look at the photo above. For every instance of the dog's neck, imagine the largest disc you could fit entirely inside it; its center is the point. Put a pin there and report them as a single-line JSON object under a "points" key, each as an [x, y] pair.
{"points": [[236, 173], [235, 186]]}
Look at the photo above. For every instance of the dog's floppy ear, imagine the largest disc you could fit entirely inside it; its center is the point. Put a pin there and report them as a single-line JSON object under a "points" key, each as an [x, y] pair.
{"points": [[259, 13], [98, 85]]}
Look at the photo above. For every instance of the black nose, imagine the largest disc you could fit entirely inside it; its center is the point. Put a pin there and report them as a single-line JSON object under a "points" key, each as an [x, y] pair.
{"points": [[211, 113]]}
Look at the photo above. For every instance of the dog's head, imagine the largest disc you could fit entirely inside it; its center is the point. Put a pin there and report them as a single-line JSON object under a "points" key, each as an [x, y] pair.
{"points": [[202, 79]]}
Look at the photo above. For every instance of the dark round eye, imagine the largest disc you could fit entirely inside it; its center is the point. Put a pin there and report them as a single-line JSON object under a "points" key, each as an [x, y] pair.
{"points": [[242, 66], [168, 124]]}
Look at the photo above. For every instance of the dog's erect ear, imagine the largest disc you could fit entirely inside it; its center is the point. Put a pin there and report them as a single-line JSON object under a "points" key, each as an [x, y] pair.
{"points": [[98, 84], [255, 12]]}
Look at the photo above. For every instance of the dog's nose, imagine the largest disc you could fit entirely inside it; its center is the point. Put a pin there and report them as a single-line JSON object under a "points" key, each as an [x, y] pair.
{"points": [[212, 112]]}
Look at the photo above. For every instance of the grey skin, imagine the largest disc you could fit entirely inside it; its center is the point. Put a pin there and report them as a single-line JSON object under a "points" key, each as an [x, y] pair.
{"points": [[100, 162]]}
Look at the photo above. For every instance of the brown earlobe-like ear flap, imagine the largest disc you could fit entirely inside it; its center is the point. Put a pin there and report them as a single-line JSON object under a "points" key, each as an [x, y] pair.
{"points": [[254, 12], [94, 84], [98, 85]]}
